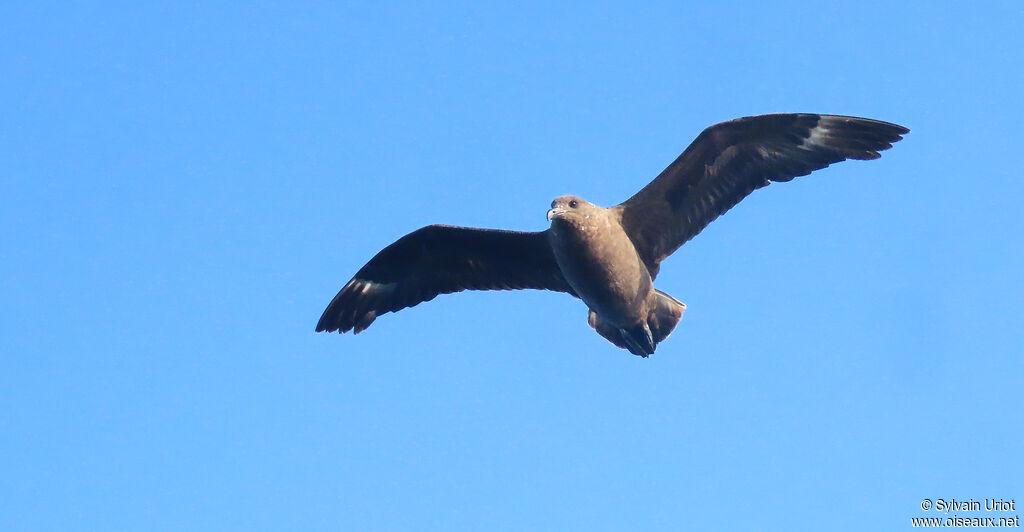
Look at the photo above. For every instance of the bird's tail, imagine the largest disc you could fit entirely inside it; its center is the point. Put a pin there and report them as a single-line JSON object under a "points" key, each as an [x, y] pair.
{"points": [[642, 339], [663, 319]]}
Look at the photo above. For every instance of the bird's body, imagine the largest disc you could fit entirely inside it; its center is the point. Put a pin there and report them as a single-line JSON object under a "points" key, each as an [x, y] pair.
{"points": [[609, 257], [601, 264]]}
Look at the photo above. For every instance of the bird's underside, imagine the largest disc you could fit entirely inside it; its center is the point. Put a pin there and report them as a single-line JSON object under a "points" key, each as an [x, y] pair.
{"points": [[609, 257]]}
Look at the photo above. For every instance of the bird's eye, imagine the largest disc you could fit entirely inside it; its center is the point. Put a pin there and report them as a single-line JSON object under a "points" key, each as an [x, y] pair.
{"points": [[553, 203], [573, 204]]}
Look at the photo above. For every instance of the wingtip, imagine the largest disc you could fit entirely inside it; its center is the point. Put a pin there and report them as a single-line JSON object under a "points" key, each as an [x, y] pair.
{"points": [[323, 326], [856, 138], [352, 309], [330, 320], [880, 126]]}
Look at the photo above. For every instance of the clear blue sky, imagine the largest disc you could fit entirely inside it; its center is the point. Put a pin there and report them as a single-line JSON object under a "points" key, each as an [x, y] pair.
{"points": [[185, 186]]}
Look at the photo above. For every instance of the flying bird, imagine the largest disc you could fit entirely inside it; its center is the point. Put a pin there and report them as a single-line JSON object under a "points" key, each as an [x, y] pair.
{"points": [[609, 257]]}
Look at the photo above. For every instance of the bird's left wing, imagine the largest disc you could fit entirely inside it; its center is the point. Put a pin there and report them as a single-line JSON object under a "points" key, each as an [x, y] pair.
{"points": [[730, 160], [440, 259]]}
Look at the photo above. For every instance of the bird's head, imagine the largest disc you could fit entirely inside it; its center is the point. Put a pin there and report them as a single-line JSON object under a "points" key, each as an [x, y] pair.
{"points": [[571, 209]]}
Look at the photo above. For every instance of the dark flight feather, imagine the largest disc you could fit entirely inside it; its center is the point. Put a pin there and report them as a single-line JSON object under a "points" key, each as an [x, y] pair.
{"points": [[730, 160], [440, 259]]}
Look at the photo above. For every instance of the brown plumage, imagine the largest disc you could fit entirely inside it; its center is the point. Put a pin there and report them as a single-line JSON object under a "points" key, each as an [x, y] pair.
{"points": [[610, 257]]}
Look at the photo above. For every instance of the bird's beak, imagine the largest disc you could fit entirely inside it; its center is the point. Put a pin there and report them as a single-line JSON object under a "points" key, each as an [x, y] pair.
{"points": [[555, 213]]}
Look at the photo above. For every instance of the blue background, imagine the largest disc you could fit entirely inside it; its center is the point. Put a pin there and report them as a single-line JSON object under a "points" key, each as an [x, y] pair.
{"points": [[186, 186]]}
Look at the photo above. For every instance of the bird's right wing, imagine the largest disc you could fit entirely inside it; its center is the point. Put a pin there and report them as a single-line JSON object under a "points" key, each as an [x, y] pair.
{"points": [[440, 259]]}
